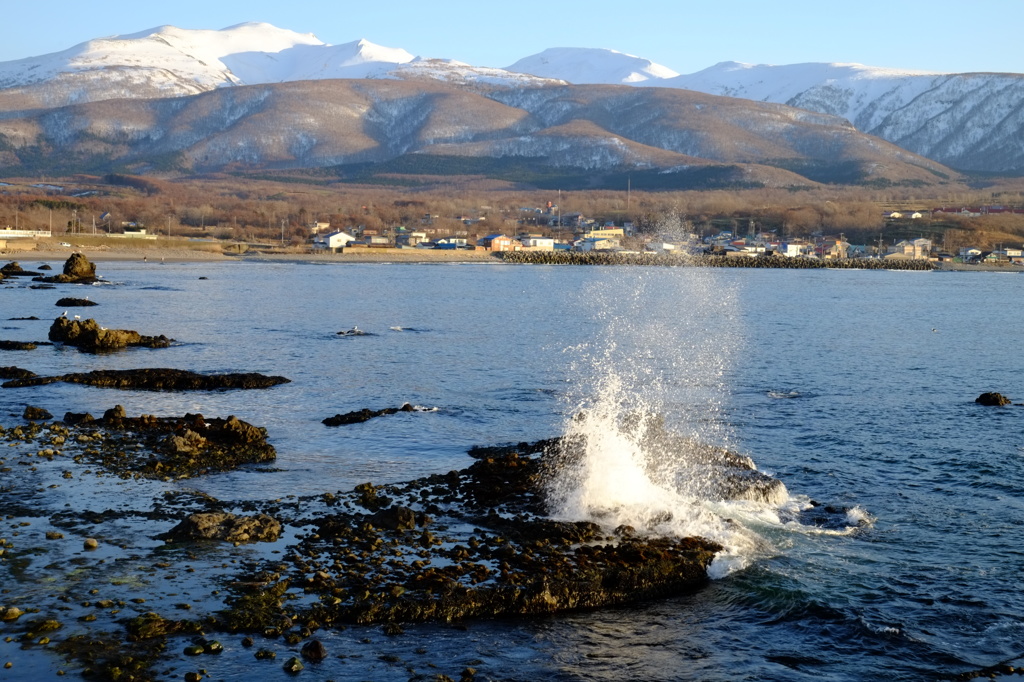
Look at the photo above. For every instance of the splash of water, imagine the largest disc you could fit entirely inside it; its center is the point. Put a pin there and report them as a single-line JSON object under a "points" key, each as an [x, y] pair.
{"points": [[644, 427]]}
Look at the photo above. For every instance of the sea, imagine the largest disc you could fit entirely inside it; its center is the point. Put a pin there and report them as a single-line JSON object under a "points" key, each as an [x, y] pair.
{"points": [[855, 389]]}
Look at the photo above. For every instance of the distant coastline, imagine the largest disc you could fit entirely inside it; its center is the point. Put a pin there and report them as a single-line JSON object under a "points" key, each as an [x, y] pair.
{"points": [[202, 252]]}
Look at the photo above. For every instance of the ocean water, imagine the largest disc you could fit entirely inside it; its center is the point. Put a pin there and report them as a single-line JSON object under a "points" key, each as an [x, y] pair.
{"points": [[855, 389]]}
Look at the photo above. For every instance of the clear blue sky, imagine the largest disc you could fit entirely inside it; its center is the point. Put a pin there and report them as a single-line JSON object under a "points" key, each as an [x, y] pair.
{"points": [[939, 35]]}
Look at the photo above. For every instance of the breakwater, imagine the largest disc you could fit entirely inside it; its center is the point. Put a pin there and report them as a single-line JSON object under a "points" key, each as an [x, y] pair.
{"points": [[681, 260]]}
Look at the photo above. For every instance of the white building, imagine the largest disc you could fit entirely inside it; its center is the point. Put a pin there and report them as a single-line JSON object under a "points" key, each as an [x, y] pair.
{"points": [[333, 241]]}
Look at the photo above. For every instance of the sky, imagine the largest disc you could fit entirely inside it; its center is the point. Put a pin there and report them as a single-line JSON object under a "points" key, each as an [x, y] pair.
{"points": [[684, 35]]}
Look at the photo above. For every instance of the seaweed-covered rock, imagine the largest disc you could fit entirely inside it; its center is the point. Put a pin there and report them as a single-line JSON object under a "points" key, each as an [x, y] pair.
{"points": [[154, 379], [36, 414], [225, 527], [89, 336]]}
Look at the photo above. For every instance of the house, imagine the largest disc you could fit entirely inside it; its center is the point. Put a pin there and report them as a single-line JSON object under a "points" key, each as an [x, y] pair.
{"points": [[538, 243], [597, 244], [319, 226], [970, 253], [497, 242], [450, 243], [792, 249], [334, 242], [404, 238], [608, 232], [917, 249]]}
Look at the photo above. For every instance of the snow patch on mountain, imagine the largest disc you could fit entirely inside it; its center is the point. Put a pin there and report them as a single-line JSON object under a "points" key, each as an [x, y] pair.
{"points": [[583, 65]]}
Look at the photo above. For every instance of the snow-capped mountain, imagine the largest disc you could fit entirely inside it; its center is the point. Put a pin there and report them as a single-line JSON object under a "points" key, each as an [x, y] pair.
{"points": [[967, 121], [581, 65], [972, 121], [170, 62]]}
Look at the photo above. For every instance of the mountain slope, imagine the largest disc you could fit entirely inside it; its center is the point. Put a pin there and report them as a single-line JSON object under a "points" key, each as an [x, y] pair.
{"points": [[336, 122], [968, 121]]}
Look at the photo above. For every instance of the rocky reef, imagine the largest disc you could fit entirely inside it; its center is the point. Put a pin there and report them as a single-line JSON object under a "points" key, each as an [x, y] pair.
{"points": [[151, 379], [471, 543]]}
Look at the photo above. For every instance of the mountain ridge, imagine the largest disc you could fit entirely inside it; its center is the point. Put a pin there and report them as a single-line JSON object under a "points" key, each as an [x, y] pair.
{"points": [[972, 122]]}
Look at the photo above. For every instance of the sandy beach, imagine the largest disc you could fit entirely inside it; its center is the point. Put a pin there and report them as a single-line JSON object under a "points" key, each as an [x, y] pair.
{"points": [[185, 250]]}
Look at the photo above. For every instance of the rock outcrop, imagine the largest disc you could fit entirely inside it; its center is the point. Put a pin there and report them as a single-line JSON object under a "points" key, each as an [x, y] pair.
{"points": [[225, 527], [14, 269], [993, 399], [77, 269], [69, 302], [89, 336]]}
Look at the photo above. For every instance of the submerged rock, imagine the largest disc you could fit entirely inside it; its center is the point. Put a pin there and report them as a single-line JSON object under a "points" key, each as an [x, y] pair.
{"points": [[155, 379], [89, 336], [17, 345], [365, 414]]}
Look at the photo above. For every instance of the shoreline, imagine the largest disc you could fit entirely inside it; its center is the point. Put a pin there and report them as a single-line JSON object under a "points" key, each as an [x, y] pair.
{"points": [[179, 254], [185, 254]]}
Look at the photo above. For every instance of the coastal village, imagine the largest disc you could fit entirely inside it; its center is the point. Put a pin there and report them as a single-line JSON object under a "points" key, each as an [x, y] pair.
{"points": [[575, 232], [549, 229]]}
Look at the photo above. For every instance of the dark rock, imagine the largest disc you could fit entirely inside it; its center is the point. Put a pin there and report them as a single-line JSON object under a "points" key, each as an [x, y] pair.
{"points": [[68, 302], [173, 447], [993, 399], [46, 266], [89, 336], [14, 269], [13, 372], [225, 527], [76, 418], [151, 625], [30, 317], [116, 412], [314, 651], [365, 414], [17, 345], [394, 518], [156, 379], [77, 269], [37, 414]]}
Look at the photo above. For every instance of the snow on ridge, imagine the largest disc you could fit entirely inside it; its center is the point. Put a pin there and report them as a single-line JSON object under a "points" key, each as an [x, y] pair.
{"points": [[584, 65]]}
